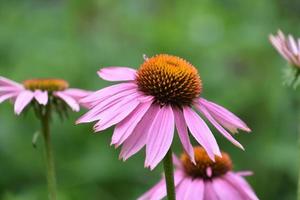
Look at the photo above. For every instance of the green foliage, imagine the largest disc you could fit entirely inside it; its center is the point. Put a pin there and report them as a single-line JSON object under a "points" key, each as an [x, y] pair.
{"points": [[228, 42]]}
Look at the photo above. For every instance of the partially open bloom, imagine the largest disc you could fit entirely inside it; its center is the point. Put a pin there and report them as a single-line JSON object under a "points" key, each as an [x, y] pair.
{"points": [[204, 180], [288, 47], [40, 92], [160, 95]]}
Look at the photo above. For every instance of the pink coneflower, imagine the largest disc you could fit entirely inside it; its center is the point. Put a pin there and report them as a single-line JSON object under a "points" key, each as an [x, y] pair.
{"points": [[44, 96], [154, 99], [40, 91], [205, 180], [288, 47]]}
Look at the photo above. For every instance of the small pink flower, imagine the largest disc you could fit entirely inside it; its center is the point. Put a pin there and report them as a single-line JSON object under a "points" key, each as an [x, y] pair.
{"points": [[288, 47], [205, 180], [153, 100], [40, 91]]}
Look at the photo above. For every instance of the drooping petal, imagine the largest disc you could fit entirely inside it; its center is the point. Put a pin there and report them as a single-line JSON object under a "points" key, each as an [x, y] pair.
{"points": [[223, 116], [160, 136], [94, 113], [41, 97], [277, 44], [177, 162], [197, 190], [7, 82], [209, 192], [183, 191], [292, 45], [183, 133], [23, 99], [225, 191], [241, 185], [138, 138], [201, 132], [157, 192], [9, 89], [7, 96], [77, 93], [244, 173], [117, 74], [116, 113], [107, 92], [227, 135], [74, 105], [126, 127]]}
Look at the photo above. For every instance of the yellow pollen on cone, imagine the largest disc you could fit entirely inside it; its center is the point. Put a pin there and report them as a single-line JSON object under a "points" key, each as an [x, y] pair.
{"points": [[46, 84]]}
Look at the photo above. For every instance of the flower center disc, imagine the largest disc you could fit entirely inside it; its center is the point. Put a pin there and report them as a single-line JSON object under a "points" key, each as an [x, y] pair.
{"points": [[170, 79], [49, 85], [218, 168]]}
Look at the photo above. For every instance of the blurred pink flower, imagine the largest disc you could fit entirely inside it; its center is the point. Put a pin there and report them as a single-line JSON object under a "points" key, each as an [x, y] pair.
{"points": [[41, 91], [206, 180], [288, 47], [152, 101]]}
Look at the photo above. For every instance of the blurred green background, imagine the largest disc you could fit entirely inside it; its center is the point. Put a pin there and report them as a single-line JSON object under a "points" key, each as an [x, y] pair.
{"points": [[228, 42]]}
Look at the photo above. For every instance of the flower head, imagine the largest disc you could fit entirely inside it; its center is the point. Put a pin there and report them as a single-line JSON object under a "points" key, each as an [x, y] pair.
{"points": [[288, 47], [40, 92], [204, 179], [160, 95]]}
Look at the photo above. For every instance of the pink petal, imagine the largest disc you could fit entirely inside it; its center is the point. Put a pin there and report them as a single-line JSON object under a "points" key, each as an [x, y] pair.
{"points": [[23, 99], [8, 82], [69, 100], [209, 192], [225, 191], [41, 97], [126, 127], [241, 185], [292, 45], [209, 172], [138, 138], [8, 96], [201, 132], [9, 89], [203, 110], [159, 190], [281, 35], [107, 92], [223, 116], [116, 113], [160, 136], [143, 98], [197, 190], [183, 191], [244, 173], [77, 93], [183, 133], [177, 162], [100, 107], [117, 74], [278, 46]]}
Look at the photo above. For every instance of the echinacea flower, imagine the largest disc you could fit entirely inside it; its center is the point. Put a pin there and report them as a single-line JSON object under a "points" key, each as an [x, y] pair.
{"points": [[40, 91], [45, 96], [204, 180], [288, 47], [154, 99]]}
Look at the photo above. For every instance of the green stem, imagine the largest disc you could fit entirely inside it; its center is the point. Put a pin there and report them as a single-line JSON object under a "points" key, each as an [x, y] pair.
{"points": [[298, 190], [169, 175], [45, 119]]}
